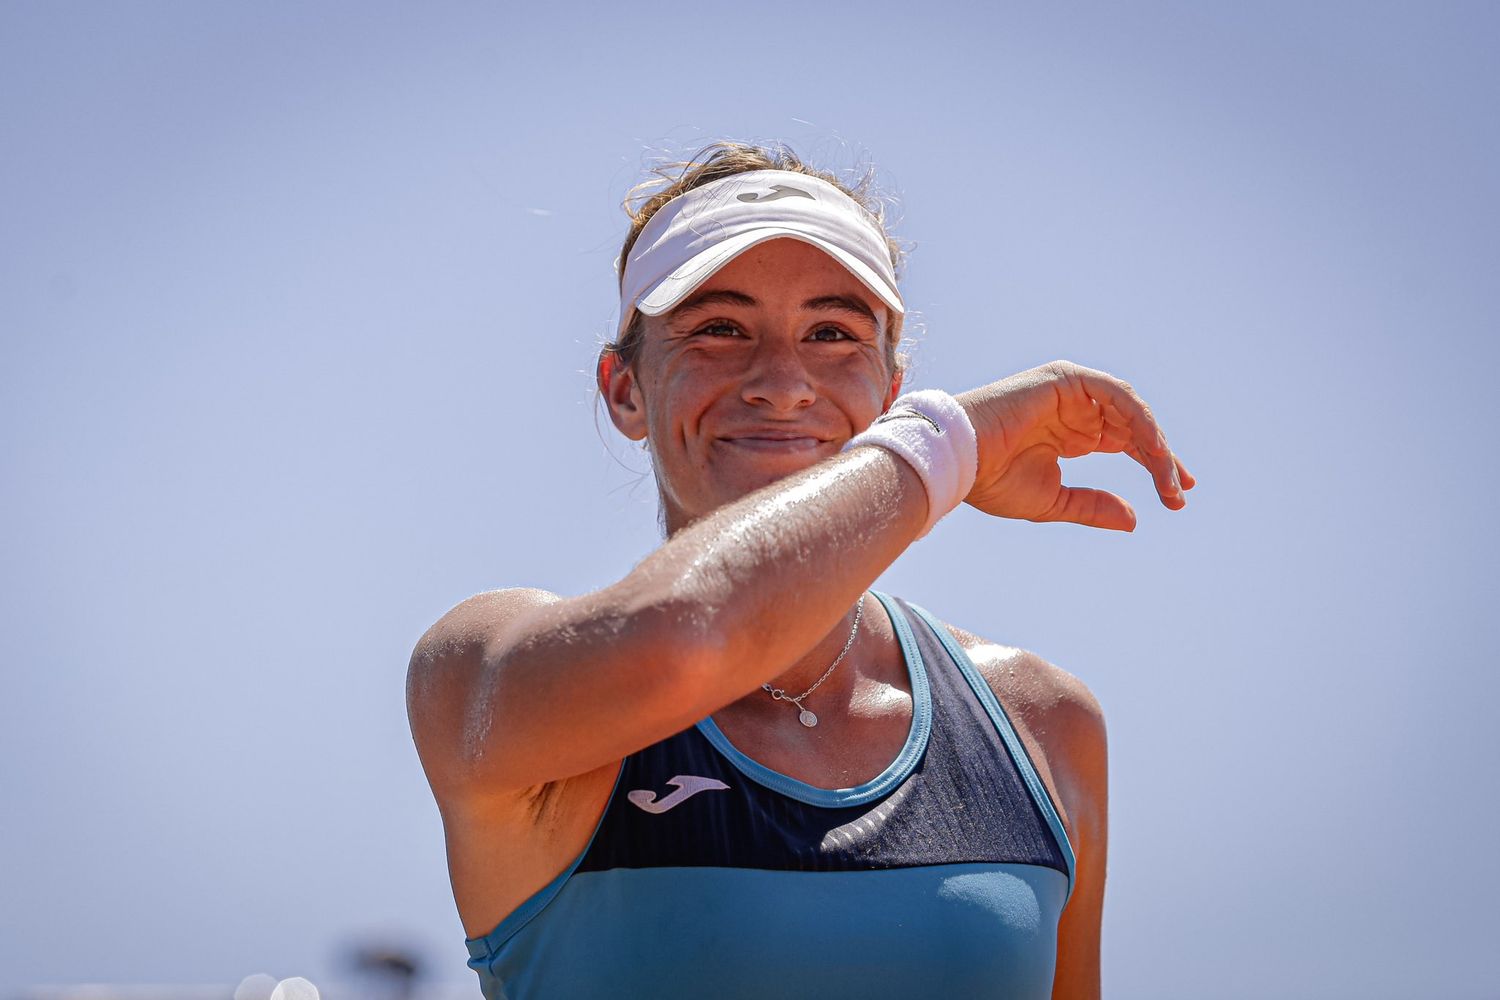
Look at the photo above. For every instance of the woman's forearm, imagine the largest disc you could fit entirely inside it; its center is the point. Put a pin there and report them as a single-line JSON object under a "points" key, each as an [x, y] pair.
{"points": [[724, 605], [752, 586]]}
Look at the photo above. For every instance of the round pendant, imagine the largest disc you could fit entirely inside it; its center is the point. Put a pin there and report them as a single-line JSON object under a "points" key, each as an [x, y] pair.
{"points": [[807, 719]]}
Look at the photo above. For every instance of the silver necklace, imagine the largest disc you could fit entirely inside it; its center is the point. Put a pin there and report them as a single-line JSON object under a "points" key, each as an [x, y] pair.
{"points": [[803, 715]]}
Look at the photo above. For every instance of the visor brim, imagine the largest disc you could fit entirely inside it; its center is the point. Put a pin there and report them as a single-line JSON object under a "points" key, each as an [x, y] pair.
{"points": [[668, 293]]}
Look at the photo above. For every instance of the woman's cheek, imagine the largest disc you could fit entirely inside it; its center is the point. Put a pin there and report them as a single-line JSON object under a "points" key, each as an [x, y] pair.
{"points": [[867, 383]]}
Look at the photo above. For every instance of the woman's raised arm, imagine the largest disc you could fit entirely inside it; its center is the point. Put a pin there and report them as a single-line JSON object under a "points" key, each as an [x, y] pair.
{"points": [[517, 688]]}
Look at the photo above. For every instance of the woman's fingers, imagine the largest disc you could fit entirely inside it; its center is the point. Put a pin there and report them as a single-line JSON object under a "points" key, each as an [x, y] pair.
{"points": [[1117, 434], [1122, 405], [1173, 499], [1188, 482], [1095, 508]]}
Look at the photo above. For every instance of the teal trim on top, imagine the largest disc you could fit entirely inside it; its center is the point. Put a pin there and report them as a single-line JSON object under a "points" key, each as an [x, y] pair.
{"points": [[1017, 749], [916, 739], [485, 947]]}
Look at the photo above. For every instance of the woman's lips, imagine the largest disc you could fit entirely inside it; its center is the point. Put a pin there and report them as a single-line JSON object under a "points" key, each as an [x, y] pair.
{"points": [[775, 444]]}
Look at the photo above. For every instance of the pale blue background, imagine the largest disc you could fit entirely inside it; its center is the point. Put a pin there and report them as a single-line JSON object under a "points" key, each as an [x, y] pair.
{"points": [[298, 306]]}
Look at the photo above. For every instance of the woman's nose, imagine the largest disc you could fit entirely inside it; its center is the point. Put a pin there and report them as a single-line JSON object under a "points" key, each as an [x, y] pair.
{"points": [[778, 379]]}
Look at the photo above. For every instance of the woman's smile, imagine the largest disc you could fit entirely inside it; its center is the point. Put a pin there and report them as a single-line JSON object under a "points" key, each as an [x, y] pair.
{"points": [[773, 442]]}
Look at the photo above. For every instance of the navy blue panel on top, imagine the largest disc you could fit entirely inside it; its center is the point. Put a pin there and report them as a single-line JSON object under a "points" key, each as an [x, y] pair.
{"points": [[962, 800]]}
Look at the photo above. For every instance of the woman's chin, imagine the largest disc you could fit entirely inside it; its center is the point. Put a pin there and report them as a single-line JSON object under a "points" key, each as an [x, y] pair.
{"points": [[767, 465]]}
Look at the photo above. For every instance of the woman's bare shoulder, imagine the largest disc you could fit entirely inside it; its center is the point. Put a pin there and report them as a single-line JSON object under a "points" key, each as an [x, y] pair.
{"points": [[1046, 695], [475, 620], [1059, 721], [445, 675]]}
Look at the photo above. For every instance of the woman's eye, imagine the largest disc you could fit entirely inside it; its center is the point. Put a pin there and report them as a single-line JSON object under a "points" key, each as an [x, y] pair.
{"points": [[830, 333], [720, 330]]}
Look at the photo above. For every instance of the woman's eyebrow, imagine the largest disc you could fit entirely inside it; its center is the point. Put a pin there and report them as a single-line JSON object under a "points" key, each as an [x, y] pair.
{"points": [[722, 296], [822, 303], [841, 303]]}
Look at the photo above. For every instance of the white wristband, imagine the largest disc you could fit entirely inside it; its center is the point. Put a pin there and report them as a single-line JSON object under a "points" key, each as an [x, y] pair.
{"points": [[931, 431]]}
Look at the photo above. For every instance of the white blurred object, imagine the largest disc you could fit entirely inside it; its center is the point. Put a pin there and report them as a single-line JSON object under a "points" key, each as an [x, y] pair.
{"points": [[295, 988], [259, 986]]}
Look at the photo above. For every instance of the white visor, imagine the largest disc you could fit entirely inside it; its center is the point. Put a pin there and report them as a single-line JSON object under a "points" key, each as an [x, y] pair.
{"points": [[693, 235]]}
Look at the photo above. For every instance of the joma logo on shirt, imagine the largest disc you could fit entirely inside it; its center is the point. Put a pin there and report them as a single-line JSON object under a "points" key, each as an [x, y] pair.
{"points": [[688, 785]]}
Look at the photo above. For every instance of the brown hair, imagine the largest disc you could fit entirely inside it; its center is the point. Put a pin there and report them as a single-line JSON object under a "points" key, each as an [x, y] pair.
{"points": [[725, 159]]}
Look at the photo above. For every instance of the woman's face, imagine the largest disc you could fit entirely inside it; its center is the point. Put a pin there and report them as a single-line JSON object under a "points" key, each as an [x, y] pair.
{"points": [[765, 369]]}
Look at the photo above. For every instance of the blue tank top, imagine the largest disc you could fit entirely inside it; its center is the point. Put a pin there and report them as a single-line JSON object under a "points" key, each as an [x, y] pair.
{"points": [[711, 875]]}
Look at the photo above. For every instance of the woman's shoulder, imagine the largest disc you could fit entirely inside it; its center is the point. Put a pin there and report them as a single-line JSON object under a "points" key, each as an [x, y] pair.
{"points": [[1058, 719], [1038, 689], [446, 673], [475, 620]]}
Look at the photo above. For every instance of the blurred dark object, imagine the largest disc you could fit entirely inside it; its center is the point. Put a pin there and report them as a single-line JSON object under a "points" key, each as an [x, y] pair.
{"points": [[389, 972]]}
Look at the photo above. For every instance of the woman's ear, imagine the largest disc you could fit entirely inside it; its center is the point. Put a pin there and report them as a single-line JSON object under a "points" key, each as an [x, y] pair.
{"points": [[622, 395], [895, 390]]}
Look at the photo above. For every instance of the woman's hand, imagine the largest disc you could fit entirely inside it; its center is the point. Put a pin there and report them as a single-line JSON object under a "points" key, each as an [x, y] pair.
{"points": [[1026, 422]]}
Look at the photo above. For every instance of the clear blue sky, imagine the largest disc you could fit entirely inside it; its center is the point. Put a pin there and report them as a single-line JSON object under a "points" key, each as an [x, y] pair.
{"points": [[297, 303]]}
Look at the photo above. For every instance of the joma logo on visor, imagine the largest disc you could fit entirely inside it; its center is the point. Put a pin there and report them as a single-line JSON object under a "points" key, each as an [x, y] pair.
{"points": [[777, 191]]}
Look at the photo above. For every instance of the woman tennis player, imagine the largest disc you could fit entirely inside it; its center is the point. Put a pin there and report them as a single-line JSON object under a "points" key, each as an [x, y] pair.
{"points": [[738, 772]]}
